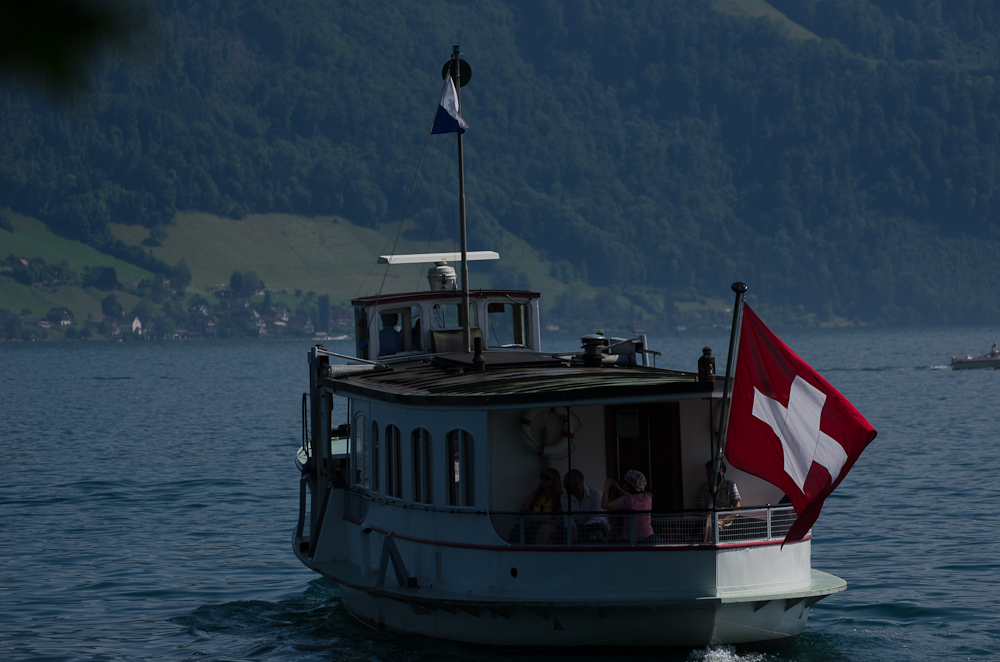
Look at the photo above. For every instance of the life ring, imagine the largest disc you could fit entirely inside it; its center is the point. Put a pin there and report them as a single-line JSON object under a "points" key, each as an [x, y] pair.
{"points": [[545, 430]]}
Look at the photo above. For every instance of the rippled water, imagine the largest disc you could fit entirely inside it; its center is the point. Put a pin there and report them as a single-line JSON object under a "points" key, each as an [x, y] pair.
{"points": [[147, 494]]}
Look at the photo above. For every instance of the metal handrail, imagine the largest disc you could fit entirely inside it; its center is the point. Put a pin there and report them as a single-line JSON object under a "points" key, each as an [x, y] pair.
{"points": [[623, 528], [614, 528]]}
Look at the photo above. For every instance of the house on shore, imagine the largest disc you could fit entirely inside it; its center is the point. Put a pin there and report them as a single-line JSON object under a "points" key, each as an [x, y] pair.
{"points": [[60, 316]]}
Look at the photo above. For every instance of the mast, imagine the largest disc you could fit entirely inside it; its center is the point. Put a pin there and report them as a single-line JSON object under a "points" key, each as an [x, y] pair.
{"points": [[727, 393], [463, 314]]}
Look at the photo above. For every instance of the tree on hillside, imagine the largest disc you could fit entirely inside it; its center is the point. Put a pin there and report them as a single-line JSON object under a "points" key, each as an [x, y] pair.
{"points": [[10, 324], [103, 278], [110, 306], [180, 277], [143, 310]]}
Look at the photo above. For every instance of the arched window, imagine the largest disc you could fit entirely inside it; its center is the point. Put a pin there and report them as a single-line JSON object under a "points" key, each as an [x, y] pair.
{"points": [[393, 463], [461, 469], [375, 459], [422, 466], [360, 455]]}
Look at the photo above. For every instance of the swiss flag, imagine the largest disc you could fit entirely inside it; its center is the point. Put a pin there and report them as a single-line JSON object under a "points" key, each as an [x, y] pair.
{"points": [[788, 426]]}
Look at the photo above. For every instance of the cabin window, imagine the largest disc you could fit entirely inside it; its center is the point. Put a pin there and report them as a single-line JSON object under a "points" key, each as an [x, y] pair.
{"points": [[399, 331], [360, 455], [460, 471], [445, 316], [422, 466], [361, 336], [393, 463], [446, 328], [508, 325], [375, 459]]}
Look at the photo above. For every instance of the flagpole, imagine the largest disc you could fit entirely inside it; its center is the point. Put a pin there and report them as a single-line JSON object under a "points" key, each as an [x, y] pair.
{"points": [[463, 314], [727, 397]]}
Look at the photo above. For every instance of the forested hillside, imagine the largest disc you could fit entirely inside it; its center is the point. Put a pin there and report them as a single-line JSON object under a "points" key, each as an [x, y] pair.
{"points": [[664, 148]]}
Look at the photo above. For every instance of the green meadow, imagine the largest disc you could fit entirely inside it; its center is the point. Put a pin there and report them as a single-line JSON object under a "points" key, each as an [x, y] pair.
{"points": [[326, 255], [31, 239], [761, 9]]}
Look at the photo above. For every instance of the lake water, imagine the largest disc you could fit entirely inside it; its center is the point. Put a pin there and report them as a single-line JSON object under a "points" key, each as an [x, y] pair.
{"points": [[148, 492]]}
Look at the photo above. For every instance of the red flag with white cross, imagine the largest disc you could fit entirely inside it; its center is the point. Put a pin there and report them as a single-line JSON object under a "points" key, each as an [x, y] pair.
{"points": [[788, 425]]}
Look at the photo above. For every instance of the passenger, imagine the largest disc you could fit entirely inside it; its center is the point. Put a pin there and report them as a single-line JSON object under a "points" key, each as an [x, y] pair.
{"points": [[390, 339], [585, 528], [727, 496], [545, 499], [635, 498]]}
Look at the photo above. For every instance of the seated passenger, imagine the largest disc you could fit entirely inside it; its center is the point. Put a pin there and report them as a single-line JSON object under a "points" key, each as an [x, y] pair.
{"points": [[634, 498], [545, 499], [585, 528], [726, 496], [390, 339]]}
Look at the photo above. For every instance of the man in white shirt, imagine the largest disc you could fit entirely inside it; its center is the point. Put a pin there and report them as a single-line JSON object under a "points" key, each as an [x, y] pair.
{"points": [[585, 528]]}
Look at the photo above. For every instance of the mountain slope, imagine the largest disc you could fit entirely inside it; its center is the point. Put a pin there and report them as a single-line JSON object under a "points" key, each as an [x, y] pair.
{"points": [[665, 148]]}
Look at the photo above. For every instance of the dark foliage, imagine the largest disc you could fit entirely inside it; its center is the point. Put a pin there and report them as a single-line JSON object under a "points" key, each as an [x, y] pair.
{"points": [[37, 271], [103, 278], [111, 307], [670, 148]]}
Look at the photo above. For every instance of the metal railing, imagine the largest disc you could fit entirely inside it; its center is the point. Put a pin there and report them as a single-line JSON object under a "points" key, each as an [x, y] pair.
{"points": [[738, 525], [631, 529]]}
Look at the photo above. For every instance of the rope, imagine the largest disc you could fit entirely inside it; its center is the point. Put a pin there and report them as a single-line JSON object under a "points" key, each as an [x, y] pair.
{"points": [[551, 238]]}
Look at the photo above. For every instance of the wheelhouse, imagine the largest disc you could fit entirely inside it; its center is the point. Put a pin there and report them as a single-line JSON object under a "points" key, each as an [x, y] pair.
{"points": [[396, 326]]}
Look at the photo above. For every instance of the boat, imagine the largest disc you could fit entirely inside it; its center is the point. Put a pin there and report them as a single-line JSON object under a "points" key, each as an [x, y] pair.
{"points": [[453, 410], [989, 361]]}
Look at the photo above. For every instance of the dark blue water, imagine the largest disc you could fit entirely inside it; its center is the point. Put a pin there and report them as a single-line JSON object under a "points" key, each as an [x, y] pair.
{"points": [[147, 495]]}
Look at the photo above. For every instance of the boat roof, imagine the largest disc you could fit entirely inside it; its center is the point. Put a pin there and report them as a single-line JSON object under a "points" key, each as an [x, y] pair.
{"points": [[403, 297], [515, 379]]}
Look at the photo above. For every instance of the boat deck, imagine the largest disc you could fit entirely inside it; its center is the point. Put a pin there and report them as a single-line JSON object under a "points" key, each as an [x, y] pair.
{"points": [[515, 378]]}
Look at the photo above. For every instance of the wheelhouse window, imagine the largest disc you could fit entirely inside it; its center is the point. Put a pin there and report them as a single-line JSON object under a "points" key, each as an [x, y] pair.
{"points": [[375, 468], [393, 463], [461, 469], [508, 325], [445, 316], [360, 455], [421, 454], [399, 331], [446, 327]]}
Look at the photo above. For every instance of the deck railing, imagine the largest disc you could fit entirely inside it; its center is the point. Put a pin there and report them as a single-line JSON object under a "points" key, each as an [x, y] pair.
{"points": [[630, 529], [737, 525]]}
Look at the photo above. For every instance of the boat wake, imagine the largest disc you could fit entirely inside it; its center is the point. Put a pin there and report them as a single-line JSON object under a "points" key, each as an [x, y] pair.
{"points": [[725, 654]]}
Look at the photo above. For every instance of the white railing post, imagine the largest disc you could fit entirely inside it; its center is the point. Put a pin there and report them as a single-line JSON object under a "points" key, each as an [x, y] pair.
{"points": [[631, 537], [715, 527], [769, 522]]}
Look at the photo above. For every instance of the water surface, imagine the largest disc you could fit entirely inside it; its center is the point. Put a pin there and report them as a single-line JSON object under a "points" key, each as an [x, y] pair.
{"points": [[147, 496]]}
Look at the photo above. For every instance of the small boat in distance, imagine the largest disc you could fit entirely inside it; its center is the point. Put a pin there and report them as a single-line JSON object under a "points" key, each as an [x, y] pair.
{"points": [[989, 361], [416, 506]]}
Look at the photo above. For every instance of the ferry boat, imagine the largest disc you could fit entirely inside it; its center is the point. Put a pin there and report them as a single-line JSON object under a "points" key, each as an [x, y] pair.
{"points": [[415, 505]]}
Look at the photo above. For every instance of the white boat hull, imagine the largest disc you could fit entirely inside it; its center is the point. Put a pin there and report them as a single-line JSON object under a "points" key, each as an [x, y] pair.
{"points": [[690, 624], [696, 597]]}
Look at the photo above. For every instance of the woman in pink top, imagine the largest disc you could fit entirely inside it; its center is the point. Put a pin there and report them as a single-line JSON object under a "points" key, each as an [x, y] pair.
{"points": [[635, 499]]}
